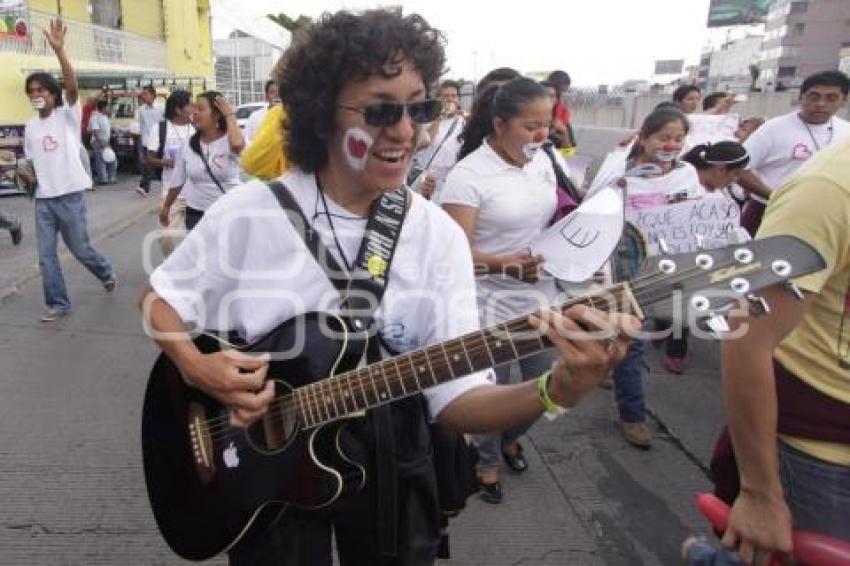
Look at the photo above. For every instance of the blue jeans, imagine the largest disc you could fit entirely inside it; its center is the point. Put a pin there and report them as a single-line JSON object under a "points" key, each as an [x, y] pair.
{"points": [[817, 492], [628, 384], [490, 445], [104, 172], [65, 215], [7, 221]]}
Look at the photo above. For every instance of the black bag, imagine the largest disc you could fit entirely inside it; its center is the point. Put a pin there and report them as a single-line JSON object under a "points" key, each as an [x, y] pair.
{"points": [[156, 172]]}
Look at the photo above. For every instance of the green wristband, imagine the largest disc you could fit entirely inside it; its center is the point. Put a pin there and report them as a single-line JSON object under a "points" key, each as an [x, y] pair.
{"points": [[552, 410]]}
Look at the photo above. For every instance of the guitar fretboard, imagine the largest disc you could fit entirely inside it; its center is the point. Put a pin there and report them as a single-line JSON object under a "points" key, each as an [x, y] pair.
{"points": [[406, 374]]}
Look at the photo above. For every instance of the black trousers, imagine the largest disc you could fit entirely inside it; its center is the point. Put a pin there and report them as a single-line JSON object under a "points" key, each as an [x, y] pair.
{"points": [[303, 538], [144, 168], [193, 216]]}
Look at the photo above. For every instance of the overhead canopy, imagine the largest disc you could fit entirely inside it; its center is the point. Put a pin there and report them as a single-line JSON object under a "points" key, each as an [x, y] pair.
{"points": [[122, 80]]}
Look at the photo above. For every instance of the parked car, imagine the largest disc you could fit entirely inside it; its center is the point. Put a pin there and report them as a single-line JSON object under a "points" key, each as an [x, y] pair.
{"points": [[243, 111]]}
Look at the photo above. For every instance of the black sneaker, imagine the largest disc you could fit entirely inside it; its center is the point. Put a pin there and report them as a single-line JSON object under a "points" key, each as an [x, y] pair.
{"points": [[16, 233], [109, 284]]}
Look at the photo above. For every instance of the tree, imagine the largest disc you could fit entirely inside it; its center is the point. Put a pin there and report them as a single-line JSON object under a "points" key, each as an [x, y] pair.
{"points": [[288, 23]]}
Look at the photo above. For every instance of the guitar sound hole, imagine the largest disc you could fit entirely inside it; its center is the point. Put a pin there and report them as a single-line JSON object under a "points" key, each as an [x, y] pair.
{"points": [[279, 425]]}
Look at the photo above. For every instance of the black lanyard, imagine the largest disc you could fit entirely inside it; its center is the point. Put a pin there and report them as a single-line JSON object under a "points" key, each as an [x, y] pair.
{"points": [[812, 135]]}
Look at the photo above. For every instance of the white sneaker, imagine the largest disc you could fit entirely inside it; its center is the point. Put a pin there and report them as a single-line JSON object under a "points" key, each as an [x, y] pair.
{"points": [[142, 192], [109, 284], [53, 314]]}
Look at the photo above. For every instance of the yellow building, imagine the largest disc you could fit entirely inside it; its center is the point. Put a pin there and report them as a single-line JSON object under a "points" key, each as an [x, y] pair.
{"points": [[119, 43]]}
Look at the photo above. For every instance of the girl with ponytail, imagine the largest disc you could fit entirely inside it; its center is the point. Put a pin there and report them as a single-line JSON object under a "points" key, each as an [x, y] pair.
{"points": [[502, 192]]}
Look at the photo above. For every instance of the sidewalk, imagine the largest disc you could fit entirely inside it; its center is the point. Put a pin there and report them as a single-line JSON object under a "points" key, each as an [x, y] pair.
{"points": [[71, 482]]}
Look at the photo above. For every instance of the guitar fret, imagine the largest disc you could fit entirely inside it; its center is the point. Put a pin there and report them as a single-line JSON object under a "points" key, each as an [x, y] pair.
{"points": [[384, 396], [448, 360], [317, 389], [400, 377], [374, 386], [413, 368], [327, 399], [299, 399], [347, 395], [476, 352], [362, 389], [487, 346], [430, 367], [498, 347], [466, 354], [511, 340]]}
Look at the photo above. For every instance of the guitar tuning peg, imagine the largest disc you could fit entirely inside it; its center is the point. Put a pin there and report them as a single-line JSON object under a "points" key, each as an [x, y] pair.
{"points": [[700, 240], [718, 324], [758, 306], [663, 247], [794, 290]]}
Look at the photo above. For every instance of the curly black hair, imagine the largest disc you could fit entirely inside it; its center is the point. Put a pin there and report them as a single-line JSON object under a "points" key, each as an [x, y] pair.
{"points": [[340, 48]]}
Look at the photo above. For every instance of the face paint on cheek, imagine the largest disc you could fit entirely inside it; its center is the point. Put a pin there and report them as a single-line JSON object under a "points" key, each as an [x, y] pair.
{"points": [[356, 144], [530, 149]]}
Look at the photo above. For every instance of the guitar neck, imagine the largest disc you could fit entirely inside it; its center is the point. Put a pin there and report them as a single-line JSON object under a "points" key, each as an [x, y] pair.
{"points": [[407, 374]]}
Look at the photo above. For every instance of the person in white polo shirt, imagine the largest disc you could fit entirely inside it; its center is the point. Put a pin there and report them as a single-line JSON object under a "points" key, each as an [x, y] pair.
{"points": [[52, 140], [502, 192], [784, 143]]}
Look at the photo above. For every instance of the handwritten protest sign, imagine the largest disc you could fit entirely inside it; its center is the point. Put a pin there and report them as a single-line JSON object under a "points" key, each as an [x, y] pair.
{"points": [[714, 217]]}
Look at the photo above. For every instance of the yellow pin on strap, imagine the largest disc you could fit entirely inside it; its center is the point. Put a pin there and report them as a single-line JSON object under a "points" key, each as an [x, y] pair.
{"points": [[377, 266]]}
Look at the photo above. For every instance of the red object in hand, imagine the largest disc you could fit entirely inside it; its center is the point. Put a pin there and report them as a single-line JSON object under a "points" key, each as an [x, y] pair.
{"points": [[811, 549]]}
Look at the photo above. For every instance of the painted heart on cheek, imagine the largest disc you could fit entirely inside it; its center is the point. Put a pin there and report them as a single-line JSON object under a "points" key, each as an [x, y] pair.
{"points": [[357, 147]]}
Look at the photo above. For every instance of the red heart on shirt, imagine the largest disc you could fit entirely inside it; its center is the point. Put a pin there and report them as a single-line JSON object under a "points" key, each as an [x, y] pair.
{"points": [[801, 152], [220, 161], [357, 147], [49, 144]]}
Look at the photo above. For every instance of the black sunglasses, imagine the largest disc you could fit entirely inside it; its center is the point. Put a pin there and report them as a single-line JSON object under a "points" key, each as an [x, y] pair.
{"points": [[384, 114]]}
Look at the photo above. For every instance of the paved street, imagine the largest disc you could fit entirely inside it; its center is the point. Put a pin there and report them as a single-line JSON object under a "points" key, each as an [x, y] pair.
{"points": [[71, 483]]}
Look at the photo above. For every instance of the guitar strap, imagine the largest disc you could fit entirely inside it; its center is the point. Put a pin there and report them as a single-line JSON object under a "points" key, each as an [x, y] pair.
{"points": [[362, 290]]}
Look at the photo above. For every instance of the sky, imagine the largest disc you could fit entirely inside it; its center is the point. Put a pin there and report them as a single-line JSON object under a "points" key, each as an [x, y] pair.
{"points": [[595, 41]]}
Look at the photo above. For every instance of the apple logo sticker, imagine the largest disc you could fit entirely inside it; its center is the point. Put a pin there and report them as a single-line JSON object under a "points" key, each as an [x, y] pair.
{"points": [[230, 457], [356, 144]]}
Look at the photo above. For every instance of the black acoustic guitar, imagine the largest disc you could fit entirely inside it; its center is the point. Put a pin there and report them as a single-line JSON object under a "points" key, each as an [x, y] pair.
{"points": [[209, 483]]}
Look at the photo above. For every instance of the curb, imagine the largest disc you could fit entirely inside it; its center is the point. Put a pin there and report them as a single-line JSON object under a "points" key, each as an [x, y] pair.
{"points": [[110, 231]]}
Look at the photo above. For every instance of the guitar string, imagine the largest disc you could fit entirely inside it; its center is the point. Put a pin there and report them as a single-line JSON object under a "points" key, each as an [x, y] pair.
{"points": [[362, 378], [333, 386], [336, 385]]}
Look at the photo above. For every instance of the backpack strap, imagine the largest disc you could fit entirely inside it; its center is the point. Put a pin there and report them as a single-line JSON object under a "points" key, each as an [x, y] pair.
{"points": [[162, 131]]}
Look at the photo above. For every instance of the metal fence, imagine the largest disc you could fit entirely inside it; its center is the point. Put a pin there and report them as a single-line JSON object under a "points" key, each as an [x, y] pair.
{"points": [[617, 108], [89, 42]]}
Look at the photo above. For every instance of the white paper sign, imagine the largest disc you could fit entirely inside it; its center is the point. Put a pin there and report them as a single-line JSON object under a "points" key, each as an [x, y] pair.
{"points": [[711, 128], [577, 245], [713, 217]]}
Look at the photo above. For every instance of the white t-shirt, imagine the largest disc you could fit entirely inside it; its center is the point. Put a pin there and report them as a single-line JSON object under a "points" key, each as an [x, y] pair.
{"points": [[441, 156], [199, 189], [100, 128], [253, 123], [149, 116], [784, 143], [175, 137], [244, 268], [515, 204], [54, 144]]}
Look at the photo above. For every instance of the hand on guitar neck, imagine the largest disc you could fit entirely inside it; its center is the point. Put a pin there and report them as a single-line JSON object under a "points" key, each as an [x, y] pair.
{"points": [[589, 343]]}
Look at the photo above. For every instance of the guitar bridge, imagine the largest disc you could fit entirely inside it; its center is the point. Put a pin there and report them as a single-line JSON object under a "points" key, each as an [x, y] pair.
{"points": [[201, 442]]}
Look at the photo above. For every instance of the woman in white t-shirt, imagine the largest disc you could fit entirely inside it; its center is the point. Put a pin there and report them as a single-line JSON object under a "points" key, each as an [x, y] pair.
{"points": [[502, 192], [208, 164], [654, 176], [162, 155]]}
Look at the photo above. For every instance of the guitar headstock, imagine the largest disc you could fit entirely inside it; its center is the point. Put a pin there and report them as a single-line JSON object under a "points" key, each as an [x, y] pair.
{"points": [[706, 283]]}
